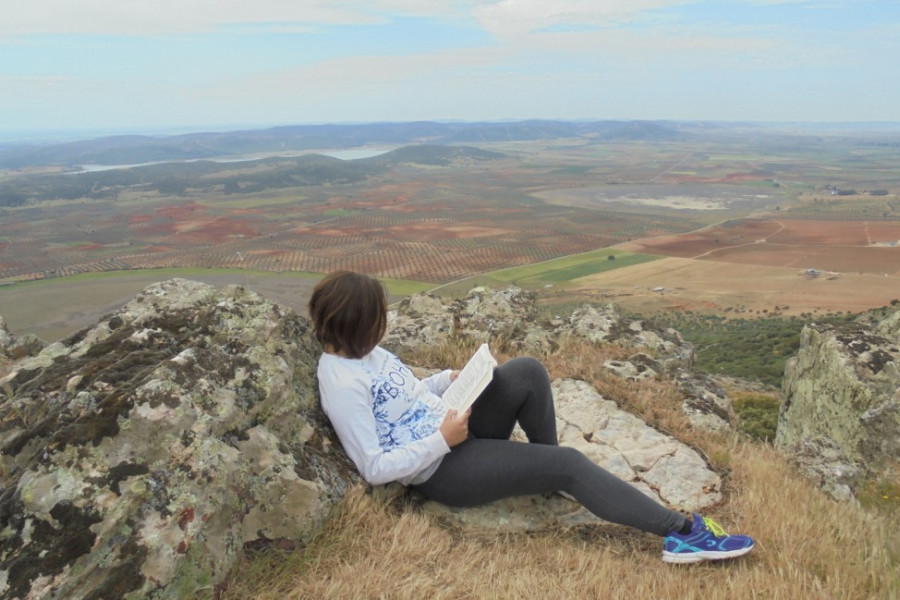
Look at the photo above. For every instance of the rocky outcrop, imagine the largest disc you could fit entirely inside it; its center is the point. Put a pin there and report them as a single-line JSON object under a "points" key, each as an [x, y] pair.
{"points": [[840, 420], [511, 315], [18, 347], [706, 403], [141, 455]]}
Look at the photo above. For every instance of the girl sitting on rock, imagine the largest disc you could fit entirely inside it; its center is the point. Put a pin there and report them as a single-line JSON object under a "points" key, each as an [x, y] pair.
{"points": [[395, 427]]}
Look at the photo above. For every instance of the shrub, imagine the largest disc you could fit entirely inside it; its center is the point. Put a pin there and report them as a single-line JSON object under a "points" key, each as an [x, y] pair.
{"points": [[757, 414]]}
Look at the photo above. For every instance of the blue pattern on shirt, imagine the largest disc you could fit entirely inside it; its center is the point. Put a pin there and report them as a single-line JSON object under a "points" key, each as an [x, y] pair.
{"points": [[399, 417]]}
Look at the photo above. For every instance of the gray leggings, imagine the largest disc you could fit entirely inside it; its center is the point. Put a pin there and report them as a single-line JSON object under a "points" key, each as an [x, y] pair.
{"points": [[489, 466]]}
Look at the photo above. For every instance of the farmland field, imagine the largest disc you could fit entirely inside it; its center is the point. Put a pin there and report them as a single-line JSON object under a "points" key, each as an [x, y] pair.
{"points": [[716, 287], [729, 223], [53, 308]]}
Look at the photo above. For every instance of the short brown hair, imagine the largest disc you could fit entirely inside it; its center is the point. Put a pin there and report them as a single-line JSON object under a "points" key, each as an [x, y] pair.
{"points": [[349, 312]]}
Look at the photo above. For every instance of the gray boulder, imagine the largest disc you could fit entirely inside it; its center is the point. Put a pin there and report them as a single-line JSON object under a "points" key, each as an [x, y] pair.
{"points": [[842, 394], [17, 347], [511, 315], [706, 403], [140, 456]]}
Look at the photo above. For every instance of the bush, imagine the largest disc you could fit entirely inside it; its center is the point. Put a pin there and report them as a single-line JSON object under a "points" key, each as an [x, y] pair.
{"points": [[758, 414], [748, 348]]}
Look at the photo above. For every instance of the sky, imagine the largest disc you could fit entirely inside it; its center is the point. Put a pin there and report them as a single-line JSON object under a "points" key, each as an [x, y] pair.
{"points": [[187, 65]]}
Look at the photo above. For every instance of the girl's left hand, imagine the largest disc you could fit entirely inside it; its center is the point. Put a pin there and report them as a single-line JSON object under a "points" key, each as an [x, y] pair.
{"points": [[454, 375]]}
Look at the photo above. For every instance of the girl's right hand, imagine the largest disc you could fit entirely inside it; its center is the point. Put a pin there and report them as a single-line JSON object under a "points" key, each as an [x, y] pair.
{"points": [[455, 428]]}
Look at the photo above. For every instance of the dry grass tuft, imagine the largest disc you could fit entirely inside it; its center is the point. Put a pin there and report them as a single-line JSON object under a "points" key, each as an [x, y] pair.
{"points": [[808, 546]]}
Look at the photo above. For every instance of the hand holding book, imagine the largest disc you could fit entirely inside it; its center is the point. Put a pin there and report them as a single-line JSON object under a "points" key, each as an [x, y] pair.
{"points": [[455, 427], [472, 380]]}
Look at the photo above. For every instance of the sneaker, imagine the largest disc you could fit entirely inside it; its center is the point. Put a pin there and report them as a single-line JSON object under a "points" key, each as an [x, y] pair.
{"points": [[706, 541]]}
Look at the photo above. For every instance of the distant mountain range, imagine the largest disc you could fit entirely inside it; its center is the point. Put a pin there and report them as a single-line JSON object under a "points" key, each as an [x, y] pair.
{"points": [[248, 176], [136, 149], [295, 139]]}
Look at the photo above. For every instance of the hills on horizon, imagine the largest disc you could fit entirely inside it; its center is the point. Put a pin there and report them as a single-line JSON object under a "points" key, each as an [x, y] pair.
{"points": [[230, 177], [136, 149]]}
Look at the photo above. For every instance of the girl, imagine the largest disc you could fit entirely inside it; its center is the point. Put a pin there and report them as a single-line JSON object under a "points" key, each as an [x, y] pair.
{"points": [[395, 428]]}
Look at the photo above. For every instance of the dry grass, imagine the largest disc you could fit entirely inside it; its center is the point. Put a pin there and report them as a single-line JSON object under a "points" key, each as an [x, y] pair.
{"points": [[808, 546]]}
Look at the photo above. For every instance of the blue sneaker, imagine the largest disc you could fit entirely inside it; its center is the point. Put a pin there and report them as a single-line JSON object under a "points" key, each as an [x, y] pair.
{"points": [[706, 541]]}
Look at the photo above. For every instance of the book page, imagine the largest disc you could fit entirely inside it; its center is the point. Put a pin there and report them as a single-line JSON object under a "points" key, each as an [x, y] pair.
{"points": [[472, 380]]}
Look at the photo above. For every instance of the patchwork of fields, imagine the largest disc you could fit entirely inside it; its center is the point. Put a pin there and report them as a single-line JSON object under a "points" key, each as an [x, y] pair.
{"points": [[436, 233], [651, 226]]}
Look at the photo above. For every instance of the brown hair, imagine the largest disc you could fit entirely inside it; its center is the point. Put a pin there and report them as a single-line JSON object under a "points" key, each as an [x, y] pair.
{"points": [[349, 313]]}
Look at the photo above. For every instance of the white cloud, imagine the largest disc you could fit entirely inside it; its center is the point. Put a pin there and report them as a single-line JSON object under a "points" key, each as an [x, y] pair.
{"points": [[516, 17], [774, 2], [356, 76], [155, 17]]}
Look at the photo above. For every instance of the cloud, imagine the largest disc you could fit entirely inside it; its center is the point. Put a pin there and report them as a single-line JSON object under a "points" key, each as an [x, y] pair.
{"points": [[159, 17], [520, 79], [356, 76], [516, 17]]}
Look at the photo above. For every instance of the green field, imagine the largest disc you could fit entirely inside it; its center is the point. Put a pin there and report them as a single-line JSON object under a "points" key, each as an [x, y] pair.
{"points": [[551, 273], [567, 268]]}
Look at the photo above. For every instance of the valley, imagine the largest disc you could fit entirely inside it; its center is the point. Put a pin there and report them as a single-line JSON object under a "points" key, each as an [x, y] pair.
{"points": [[727, 222]]}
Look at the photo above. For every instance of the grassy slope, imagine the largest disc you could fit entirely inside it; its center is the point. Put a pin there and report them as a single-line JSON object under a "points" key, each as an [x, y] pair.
{"points": [[808, 546]]}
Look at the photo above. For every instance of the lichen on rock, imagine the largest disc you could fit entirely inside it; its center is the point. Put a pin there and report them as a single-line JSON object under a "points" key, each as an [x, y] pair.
{"points": [[140, 455], [840, 421]]}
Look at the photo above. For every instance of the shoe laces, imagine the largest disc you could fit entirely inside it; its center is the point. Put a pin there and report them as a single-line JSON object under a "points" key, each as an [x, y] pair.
{"points": [[716, 529]]}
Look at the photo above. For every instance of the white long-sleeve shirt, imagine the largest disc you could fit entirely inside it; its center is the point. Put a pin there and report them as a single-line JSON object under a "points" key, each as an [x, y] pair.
{"points": [[387, 420]]}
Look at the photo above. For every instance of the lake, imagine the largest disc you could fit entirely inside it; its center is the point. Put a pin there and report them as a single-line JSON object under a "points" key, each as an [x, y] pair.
{"points": [[346, 154]]}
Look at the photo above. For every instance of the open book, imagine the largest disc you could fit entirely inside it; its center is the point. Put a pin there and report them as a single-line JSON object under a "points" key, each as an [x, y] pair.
{"points": [[472, 380]]}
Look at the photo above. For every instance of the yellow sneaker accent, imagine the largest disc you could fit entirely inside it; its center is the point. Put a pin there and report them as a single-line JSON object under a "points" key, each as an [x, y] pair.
{"points": [[717, 529]]}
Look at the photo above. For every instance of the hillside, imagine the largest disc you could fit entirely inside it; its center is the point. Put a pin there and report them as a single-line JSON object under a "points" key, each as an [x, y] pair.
{"points": [[175, 449], [227, 178], [123, 150]]}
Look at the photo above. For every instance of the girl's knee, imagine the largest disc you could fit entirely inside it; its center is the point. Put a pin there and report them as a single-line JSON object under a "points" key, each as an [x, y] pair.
{"points": [[525, 368], [572, 456]]}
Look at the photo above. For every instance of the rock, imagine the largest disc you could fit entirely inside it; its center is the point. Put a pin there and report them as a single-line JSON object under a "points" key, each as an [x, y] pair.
{"points": [[511, 315], [419, 320], [658, 465], [639, 366], [842, 392], [482, 316], [141, 455], [707, 404], [5, 337], [25, 345], [822, 461], [18, 347]]}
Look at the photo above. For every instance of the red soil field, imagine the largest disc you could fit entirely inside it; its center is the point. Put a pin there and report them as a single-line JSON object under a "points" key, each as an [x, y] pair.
{"points": [[212, 231], [179, 212], [860, 247], [821, 258]]}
